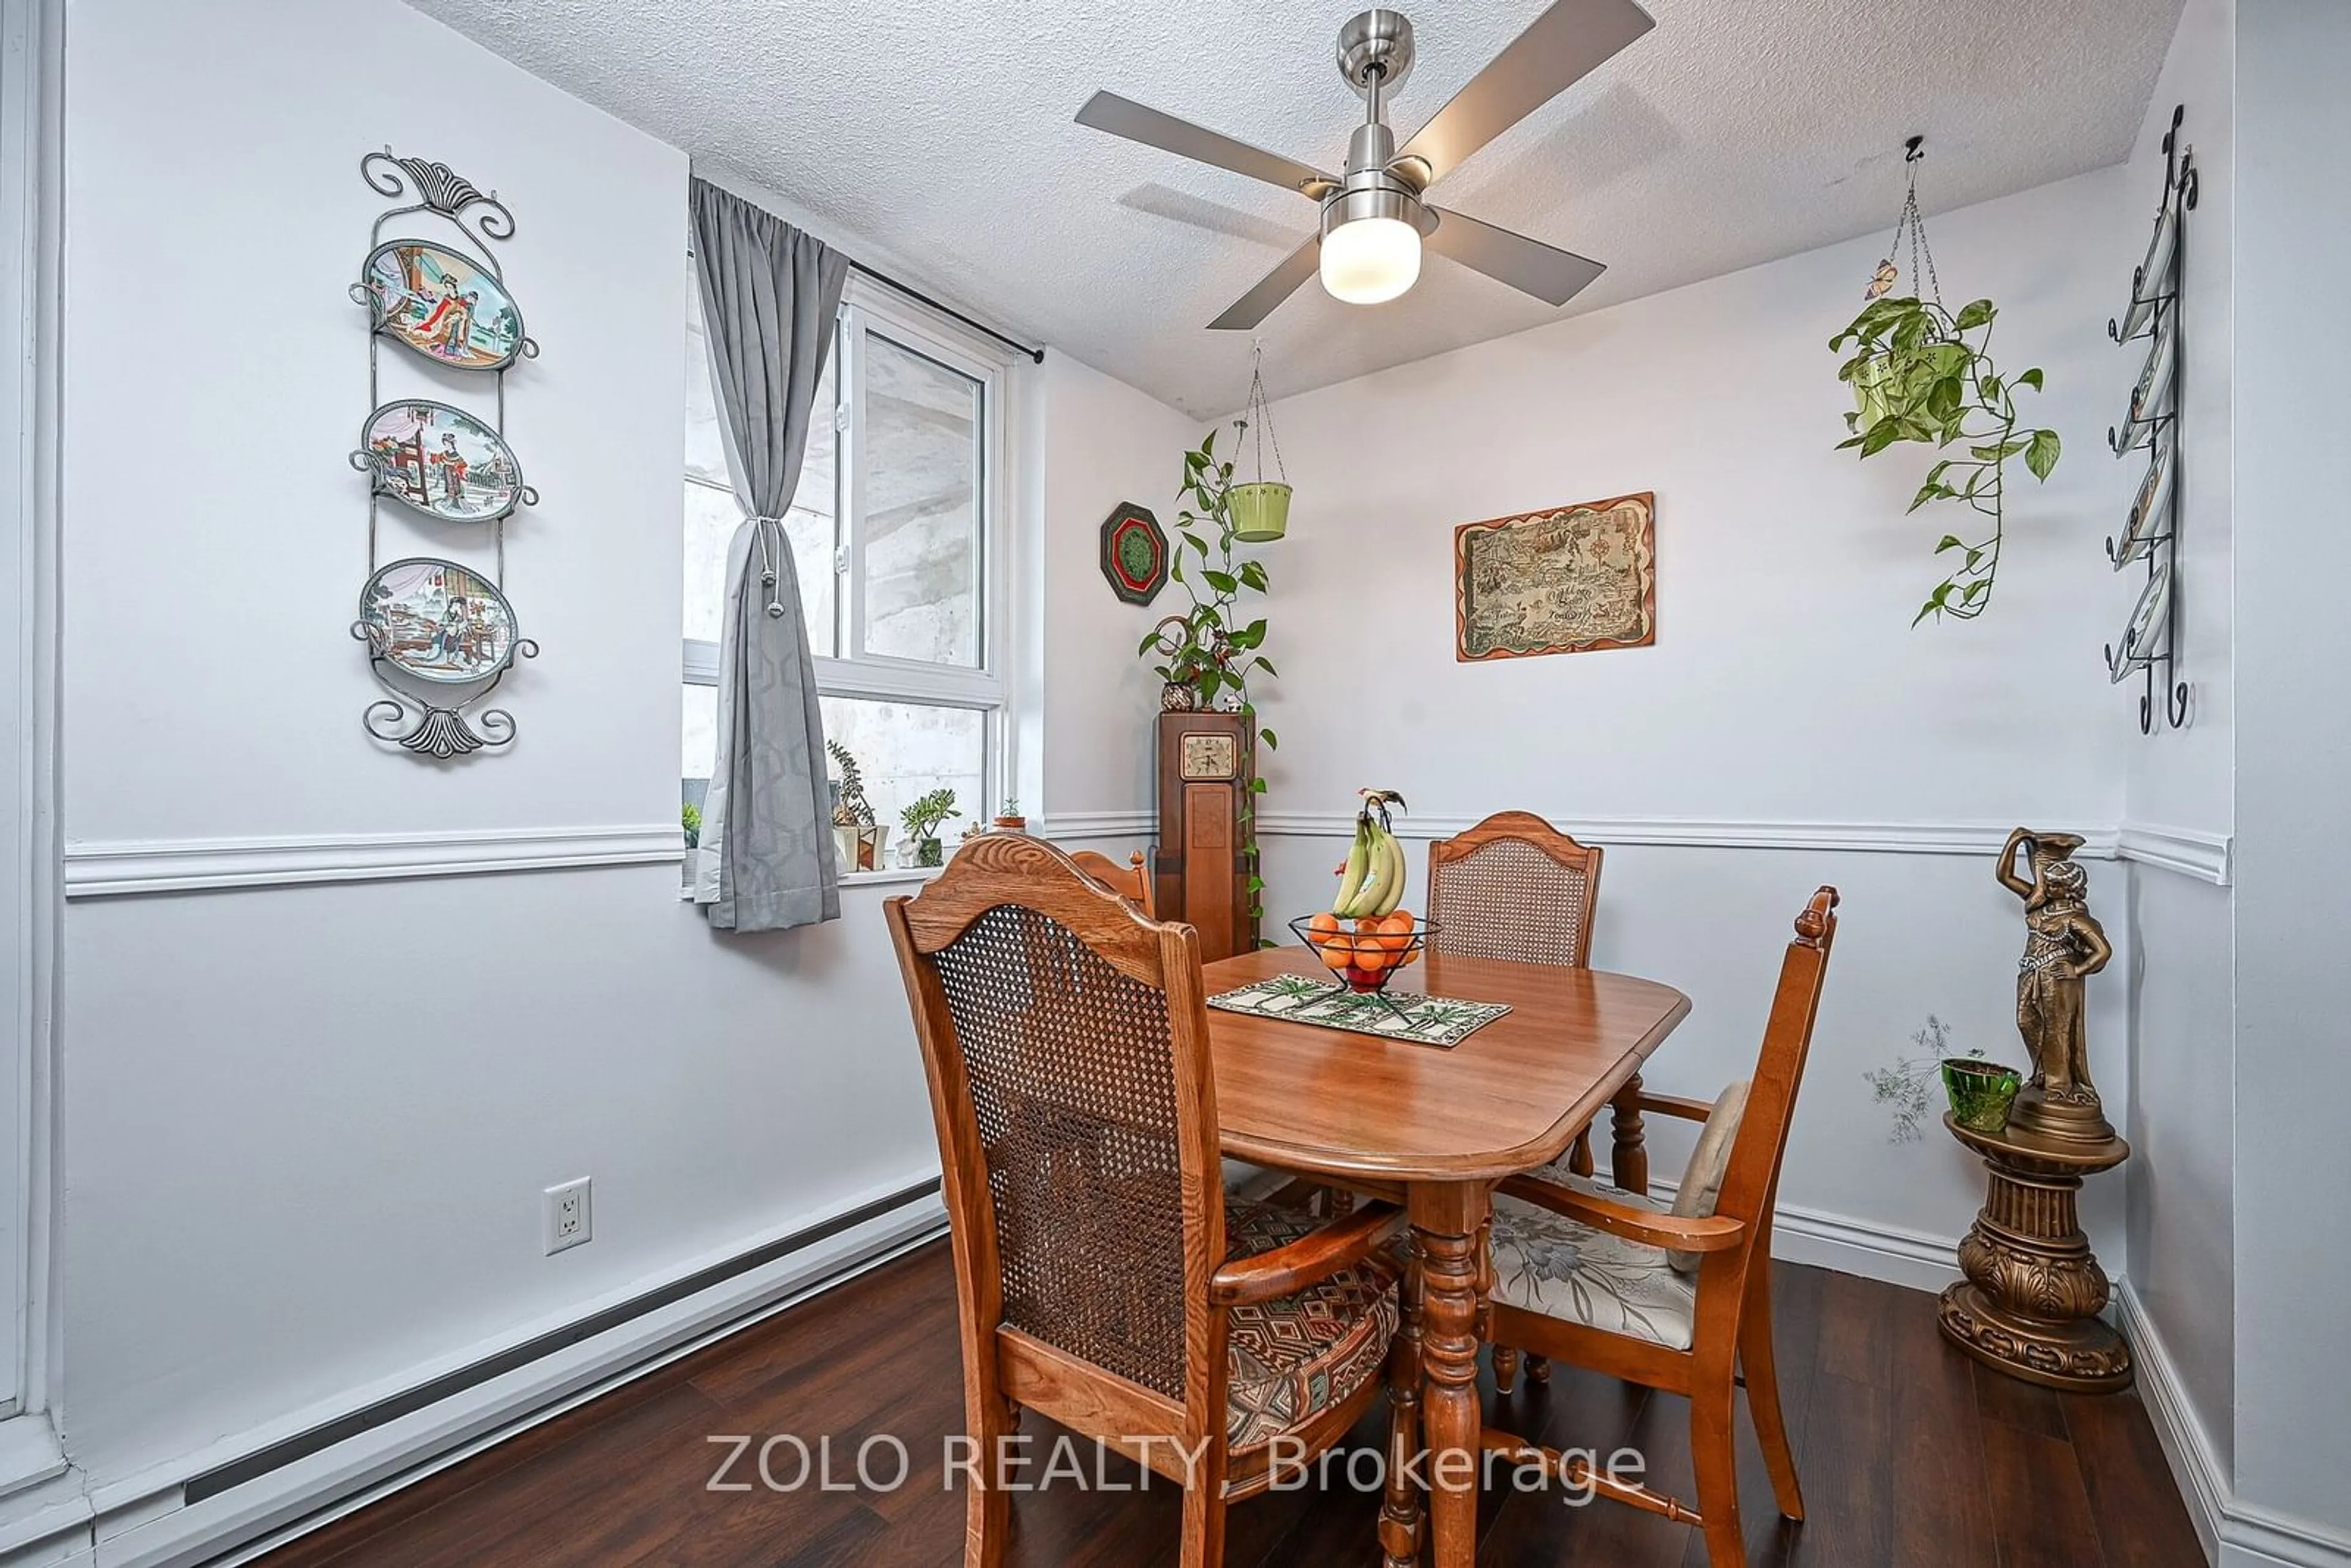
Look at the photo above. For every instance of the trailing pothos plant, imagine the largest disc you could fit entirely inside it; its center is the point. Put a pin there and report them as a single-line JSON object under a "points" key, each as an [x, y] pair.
{"points": [[1921, 373], [1211, 648]]}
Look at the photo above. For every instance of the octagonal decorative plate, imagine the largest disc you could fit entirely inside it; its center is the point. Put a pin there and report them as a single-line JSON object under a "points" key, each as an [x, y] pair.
{"points": [[1134, 553]]}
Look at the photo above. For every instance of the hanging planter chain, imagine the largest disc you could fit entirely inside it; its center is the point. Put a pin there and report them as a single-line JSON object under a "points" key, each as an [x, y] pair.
{"points": [[1920, 252], [1260, 507]]}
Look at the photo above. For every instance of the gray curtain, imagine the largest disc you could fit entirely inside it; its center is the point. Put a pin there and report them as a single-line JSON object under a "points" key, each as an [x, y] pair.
{"points": [[768, 297]]}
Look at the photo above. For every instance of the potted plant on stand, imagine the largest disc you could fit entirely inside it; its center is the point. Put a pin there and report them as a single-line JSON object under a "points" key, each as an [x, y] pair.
{"points": [[1208, 654], [922, 821]]}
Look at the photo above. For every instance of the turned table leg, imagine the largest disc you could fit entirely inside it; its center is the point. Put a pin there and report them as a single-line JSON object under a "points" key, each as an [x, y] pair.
{"points": [[1628, 1159], [1401, 1509], [1445, 1220]]}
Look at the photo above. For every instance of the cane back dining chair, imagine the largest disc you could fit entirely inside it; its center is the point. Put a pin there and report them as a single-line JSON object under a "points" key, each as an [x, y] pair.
{"points": [[1131, 882], [1676, 1300], [1515, 887], [1102, 1279]]}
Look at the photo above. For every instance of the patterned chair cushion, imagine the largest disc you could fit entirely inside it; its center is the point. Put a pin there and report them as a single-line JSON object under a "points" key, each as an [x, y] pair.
{"points": [[1547, 1263], [1296, 1356]]}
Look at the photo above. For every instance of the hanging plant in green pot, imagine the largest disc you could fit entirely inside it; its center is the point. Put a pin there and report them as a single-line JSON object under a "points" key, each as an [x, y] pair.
{"points": [[1920, 372], [1260, 507]]}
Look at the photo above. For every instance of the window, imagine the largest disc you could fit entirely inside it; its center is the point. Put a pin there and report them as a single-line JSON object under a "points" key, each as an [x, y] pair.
{"points": [[894, 532]]}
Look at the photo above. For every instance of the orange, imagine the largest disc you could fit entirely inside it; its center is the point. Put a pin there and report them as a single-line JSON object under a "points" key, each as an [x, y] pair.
{"points": [[1338, 953], [1322, 929], [1395, 931]]}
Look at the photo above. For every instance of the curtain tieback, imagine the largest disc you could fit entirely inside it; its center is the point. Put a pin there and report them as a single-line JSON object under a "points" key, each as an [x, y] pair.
{"points": [[772, 543]]}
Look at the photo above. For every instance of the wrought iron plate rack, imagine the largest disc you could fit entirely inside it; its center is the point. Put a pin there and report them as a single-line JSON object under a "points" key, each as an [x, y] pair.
{"points": [[2151, 424]]}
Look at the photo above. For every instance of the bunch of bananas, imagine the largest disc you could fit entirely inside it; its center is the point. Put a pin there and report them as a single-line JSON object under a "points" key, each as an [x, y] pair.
{"points": [[1371, 884]]}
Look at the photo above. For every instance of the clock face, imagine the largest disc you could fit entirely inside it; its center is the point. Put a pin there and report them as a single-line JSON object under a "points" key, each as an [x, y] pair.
{"points": [[1208, 756]]}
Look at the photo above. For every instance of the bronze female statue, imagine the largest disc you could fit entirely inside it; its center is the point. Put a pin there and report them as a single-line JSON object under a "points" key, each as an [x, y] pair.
{"points": [[2064, 945]]}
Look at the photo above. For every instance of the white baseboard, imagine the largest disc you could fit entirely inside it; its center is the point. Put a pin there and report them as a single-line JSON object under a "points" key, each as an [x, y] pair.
{"points": [[1914, 1259], [2235, 1533], [144, 1524], [1911, 1259]]}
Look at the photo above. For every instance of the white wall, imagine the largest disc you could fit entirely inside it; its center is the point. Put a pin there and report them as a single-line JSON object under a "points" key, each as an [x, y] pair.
{"points": [[1786, 685], [1109, 443], [2293, 753], [2180, 1122], [304, 1130]]}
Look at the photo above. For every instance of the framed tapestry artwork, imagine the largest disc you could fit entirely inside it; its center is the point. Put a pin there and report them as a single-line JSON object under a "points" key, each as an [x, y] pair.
{"points": [[1566, 581]]}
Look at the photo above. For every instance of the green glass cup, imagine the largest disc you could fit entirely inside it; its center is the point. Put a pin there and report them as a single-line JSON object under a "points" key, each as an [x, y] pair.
{"points": [[1981, 1093]]}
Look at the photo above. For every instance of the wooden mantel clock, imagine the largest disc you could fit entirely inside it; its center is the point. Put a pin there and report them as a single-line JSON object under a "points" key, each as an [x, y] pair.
{"points": [[1202, 871]]}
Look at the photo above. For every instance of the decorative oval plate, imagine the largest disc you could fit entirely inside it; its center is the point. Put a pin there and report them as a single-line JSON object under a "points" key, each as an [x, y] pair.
{"points": [[2154, 379], [437, 621], [442, 461], [2138, 647], [2153, 492], [2152, 279], [448, 307]]}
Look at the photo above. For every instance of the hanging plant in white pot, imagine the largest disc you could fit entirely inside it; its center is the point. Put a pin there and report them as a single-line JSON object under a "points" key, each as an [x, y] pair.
{"points": [[1921, 372]]}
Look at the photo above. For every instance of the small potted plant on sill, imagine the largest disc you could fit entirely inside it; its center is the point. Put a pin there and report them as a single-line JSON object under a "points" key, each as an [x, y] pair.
{"points": [[856, 835], [1009, 819], [923, 821]]}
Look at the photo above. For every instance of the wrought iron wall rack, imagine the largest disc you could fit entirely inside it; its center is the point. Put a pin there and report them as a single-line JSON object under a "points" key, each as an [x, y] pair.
{"points": [[440, 636], [2152, 425]]}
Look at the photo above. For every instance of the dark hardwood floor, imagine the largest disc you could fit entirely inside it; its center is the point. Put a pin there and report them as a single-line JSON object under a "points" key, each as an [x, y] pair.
{"points": [[1909, 1454]]}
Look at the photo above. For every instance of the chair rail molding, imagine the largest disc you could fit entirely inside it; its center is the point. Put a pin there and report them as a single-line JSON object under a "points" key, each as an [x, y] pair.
{"points": [[2190, 851], [104, 869], [2187, 852], [1714, 833]]}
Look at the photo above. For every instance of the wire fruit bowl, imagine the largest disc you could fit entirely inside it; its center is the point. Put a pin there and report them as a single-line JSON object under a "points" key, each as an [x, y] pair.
{"points": [[1363, 961]]}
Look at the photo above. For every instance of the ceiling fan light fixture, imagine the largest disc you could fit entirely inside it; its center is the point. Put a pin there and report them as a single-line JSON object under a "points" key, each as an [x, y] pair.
{"points": [[1370, 261]]}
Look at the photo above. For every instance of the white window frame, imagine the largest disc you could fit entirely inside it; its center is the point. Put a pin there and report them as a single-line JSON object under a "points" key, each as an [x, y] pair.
{"points": [[870, 310]]}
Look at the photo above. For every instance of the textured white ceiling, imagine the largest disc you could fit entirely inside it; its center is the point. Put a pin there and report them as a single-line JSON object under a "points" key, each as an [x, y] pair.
{"points": [[940, 131]]}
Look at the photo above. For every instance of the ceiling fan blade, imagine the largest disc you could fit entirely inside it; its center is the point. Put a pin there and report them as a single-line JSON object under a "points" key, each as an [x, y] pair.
{"points": [[1551, 275], [1141, 122], [1563, 46], [1273, 288]]}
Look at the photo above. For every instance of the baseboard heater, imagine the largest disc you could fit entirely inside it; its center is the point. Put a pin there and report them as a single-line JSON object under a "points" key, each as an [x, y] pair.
{"points": [[302, 1445]]}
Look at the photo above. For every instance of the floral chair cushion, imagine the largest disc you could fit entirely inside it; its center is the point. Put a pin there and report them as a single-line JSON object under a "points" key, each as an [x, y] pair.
{"points": [[1295, 1356], [1547, 1263]]}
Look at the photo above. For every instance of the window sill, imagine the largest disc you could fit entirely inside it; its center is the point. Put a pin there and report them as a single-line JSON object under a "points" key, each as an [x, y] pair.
{"points": [[849, 879]]}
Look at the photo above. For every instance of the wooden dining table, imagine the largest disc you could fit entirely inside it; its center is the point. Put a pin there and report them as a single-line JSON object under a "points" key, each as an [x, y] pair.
{"points": [[1436, 1129]]}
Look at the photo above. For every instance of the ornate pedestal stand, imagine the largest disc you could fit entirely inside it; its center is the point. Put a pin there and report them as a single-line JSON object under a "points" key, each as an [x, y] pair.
{"points": [[2029, 1306]]}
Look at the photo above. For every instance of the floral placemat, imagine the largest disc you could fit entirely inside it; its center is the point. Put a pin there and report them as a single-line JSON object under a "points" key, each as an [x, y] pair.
{"points": [[1302, 999]]}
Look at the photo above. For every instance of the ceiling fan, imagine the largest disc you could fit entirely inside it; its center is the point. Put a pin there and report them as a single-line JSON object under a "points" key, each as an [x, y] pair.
{"points": [[1374, 214]]}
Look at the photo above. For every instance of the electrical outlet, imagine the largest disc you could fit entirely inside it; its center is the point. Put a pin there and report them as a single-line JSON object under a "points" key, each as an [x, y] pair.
{"points": [[567, 1218]]}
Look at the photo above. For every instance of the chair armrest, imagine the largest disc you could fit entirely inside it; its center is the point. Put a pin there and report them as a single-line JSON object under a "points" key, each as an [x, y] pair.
{"points": [[1710, 1233], [1675, 1105], [1263, 1276]]}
